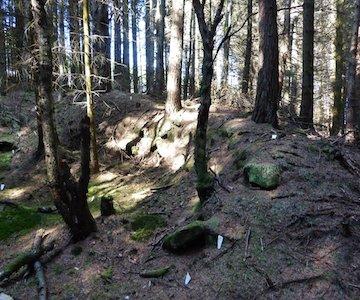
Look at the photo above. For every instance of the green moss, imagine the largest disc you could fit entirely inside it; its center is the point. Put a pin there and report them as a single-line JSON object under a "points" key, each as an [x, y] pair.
{"points": [[264, 175], [191, 236], [5, 161], [240, 159], [156, 273], [19, 220], [143, 226], [107, 274]]}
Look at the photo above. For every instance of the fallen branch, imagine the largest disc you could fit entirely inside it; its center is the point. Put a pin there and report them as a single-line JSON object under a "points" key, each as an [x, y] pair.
{"points": [[40, 275], [27, 258]]}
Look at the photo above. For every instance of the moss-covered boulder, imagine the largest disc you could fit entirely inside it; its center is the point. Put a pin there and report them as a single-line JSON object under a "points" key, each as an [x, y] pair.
{"points": [[265, 175], [191, 236]]}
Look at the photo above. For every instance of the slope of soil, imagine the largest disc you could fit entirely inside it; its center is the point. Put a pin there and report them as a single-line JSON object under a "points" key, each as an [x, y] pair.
{"points": [[298, 241]]}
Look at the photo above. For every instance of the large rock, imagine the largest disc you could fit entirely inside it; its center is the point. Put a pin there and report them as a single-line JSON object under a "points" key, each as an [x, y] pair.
{"points": [[264, 175], [191, 236]]}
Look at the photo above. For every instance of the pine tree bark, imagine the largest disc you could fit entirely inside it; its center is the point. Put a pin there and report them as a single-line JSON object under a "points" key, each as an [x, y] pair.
{"points": [[126, 48], [225, 73], [160, 40], [149, 45], [307, 97], [88, 84], [248, 51], [69, 197], [75, 39], [338, 108], [267, 92], [173, 101], [118, 42], [2, 52], [35, 83], [352, 103], [102, 67], [134, 20], [192, 88], [61, 44], [208, 31], [19, 35]]}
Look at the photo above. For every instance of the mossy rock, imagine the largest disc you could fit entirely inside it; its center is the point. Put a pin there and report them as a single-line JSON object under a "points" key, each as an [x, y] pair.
{"points": [[265, 175], [155, 273], [192, 236]]}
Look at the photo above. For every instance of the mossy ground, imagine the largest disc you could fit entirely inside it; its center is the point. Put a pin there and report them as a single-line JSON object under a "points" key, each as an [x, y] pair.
{"points": [[143, 226], [5, 161], [21, 220]]}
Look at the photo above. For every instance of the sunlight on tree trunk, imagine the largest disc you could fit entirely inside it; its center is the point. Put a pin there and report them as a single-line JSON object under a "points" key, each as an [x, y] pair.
{"points": [[89, 98], [173, 102]]}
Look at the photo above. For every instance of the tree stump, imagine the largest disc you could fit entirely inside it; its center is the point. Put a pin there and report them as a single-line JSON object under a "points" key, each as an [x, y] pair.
{"points": [[107, 206]]}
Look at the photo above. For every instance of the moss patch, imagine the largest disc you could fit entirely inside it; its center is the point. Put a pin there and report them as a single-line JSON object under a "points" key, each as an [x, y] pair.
{"points": [[19, 220], [5, 161], [143, 226], [264, 175]]}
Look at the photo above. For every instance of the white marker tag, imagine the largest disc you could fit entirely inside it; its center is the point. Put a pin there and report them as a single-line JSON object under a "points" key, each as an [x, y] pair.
{"points": [[274, 137], [220, 241], [187, 278], [2, 187]]}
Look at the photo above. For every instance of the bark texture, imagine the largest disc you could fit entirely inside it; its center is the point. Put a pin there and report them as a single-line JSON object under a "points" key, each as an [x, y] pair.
{"points": [[69, 196], [173, 101], [307, 97], [267, 93], [208, 32], [248, 51], [352, 105]]}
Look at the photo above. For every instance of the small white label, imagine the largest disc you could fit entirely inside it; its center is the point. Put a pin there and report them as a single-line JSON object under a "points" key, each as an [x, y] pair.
{"points": [[187, 278], [274, 136], [220, 241], [2, 187]]}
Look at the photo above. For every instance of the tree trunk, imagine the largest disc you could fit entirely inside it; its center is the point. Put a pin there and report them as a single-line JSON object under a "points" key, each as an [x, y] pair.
{"points": [[19, 35], [208, 31], [352, 105], [69, 197], [61, 43], [35, 83], [75, 40], [191, 90], [134, 14], [160, 39], [338, 108], [267, 93], [125, 78], [225, 73], [248, 51], [173, 101], [307, 97], [149, 45], [88, 83], [102, 67], [2, 52], [118, 42]]}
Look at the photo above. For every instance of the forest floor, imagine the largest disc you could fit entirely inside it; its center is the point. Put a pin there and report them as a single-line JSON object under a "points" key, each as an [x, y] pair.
{"points": [[298, 241]]}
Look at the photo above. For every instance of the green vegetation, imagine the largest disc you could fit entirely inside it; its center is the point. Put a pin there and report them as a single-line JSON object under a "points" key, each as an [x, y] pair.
{"points": [[156, 273], [22, 219], [240, 158], [107, 274], [264, 175], [17, 220], [143, 226], [5, 161]]}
